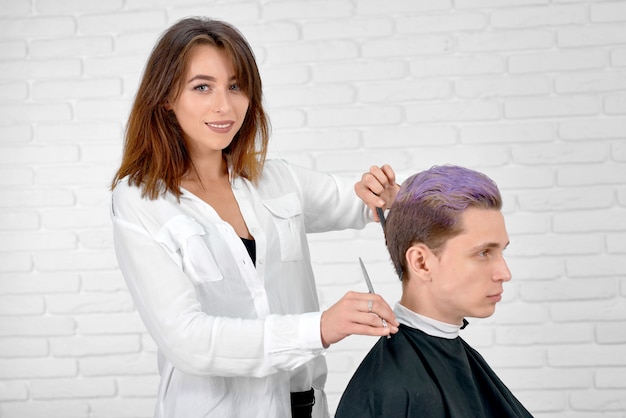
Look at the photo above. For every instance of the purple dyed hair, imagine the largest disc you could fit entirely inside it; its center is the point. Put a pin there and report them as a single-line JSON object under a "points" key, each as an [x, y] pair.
{"points": [[429, 205]]}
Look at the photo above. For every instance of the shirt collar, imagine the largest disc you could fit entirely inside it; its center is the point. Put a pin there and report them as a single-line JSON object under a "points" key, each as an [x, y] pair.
{"points": [[425, 324]]}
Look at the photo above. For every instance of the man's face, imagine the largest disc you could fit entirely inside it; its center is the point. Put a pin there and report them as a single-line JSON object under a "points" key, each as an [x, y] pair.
{"points": [[468, 275]]}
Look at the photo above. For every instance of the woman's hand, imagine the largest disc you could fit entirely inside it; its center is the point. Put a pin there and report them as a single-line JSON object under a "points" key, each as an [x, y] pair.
{"points": [[357, 313], [377, 188]]}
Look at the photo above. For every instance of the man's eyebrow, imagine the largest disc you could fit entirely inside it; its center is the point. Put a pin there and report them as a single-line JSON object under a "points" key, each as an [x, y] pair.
{"points": [[489, 245]]}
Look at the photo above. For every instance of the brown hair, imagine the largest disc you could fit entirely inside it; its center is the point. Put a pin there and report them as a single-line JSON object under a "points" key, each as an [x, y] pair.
{"points": [[155, 155]]}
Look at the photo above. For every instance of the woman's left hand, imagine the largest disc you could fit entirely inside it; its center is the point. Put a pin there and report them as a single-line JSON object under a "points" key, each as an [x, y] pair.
{"points": [[377, 188], [357, 314]]}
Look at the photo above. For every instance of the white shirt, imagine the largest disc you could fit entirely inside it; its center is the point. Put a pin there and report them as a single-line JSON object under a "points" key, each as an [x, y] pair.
{"points": [[233, 339]]}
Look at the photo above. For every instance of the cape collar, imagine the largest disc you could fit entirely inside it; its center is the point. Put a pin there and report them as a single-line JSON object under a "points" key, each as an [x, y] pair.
{"points": [[425, 324]]}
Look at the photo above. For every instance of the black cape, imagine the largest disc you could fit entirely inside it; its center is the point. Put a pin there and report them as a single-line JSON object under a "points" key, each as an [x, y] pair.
{"points": [[413, 374]]}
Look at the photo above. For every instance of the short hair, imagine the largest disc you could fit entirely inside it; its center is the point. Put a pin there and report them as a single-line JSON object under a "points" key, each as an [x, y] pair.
{"points": [[429, 206], [155, 154]]}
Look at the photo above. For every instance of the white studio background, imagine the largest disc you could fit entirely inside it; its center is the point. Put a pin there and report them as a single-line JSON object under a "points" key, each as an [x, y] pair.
{"points": [[532, 92]]}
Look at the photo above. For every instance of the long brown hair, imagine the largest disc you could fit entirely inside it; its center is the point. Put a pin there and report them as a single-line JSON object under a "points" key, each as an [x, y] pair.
{"points": [[155, 156]]}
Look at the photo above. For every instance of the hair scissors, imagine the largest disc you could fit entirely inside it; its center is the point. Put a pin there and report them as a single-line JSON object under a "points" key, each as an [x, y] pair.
{"points": [[370, 289]]}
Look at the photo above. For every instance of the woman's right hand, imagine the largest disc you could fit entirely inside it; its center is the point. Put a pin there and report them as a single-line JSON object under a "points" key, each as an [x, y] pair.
{"points": [[352, 315], [378, 188]]}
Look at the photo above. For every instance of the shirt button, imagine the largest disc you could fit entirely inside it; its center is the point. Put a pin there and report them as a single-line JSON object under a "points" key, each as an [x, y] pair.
{"points": [[260, 261]]}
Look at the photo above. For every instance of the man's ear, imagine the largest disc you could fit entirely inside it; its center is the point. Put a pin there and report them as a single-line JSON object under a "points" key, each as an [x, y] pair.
{"points": [[418, 258]]}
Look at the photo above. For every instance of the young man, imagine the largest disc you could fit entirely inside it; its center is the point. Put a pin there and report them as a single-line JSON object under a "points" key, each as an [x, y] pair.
{"points": [[446, 237]]}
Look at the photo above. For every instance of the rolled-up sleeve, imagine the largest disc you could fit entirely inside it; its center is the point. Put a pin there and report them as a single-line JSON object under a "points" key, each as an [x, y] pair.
{"points": [[329, 201]]}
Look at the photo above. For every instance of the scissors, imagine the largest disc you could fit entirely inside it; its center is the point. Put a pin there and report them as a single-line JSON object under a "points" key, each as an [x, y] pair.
{"points": [[370, 289]]}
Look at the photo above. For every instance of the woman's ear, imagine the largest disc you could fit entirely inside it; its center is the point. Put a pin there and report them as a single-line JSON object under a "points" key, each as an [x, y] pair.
{"points": [[418, 258], [169, 101]]}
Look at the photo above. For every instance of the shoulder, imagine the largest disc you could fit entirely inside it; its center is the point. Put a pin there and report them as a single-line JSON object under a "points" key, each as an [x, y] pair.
{"points": [[124, 197], [475, 357], [384, 368], [385, 384], [279, 178], [472, 352], [392, 380], [279, 168], [129, 204], [123, 190], [294, 176], [276, 167]]}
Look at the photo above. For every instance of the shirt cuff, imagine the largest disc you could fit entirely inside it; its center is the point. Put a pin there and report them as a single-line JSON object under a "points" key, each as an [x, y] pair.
{"points": [[293, 333], [293, 340], [309, 331]]}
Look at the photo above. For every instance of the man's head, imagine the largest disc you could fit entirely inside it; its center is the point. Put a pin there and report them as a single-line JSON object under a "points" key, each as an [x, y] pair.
{"points": [[429, 206], [446, 234]]}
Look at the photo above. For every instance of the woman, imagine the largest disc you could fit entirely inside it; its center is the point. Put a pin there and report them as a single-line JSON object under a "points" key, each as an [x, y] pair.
{"points": [[211, 238]]}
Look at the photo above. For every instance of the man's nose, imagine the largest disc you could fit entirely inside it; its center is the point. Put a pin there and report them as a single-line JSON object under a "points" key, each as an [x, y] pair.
{"points": [[502, 272]]}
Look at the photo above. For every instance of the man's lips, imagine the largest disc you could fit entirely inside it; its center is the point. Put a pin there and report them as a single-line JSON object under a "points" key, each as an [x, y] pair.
{"points": [[496, 297]]}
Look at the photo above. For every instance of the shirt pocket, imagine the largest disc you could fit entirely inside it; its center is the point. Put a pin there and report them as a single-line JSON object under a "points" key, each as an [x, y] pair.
{"points": [[287, 216], [185, 236]]}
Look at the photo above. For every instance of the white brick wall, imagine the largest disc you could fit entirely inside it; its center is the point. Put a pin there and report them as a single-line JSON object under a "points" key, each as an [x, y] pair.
{"points": [[533, 92]]}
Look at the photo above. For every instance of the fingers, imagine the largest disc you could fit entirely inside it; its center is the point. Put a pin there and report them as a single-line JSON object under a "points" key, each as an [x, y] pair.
{"points": [[389, 173], [372, 324], [377, 179], [377, 187], [351, 315], [380, 314], [374, 304]]}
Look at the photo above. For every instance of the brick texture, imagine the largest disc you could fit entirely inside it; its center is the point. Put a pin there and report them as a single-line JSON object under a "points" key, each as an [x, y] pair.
{"points": [[532, 92]]}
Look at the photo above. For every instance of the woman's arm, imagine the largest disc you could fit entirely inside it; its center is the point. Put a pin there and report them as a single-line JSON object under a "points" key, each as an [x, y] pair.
{"points": [[193, 341]]}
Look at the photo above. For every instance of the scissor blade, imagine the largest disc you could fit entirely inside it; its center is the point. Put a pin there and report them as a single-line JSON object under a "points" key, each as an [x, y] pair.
{"points": [[366, 276]]}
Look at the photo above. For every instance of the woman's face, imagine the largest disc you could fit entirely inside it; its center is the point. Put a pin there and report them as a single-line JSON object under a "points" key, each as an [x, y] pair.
{"points": [[210, 107]]}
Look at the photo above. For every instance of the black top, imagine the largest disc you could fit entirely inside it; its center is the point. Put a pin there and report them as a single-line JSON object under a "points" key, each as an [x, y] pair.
{"points": [[413, 374], [251, 247]]}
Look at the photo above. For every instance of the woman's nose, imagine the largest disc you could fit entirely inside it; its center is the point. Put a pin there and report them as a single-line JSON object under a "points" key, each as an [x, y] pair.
{"points": [[221, 101]]}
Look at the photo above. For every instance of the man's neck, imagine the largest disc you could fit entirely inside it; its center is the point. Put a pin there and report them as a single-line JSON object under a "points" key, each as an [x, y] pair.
{"points": [[418, 298], [426, 324]]}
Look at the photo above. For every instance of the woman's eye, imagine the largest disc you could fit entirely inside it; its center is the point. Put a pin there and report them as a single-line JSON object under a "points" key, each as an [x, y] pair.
{"points": [[202, 87], [234, 86]]}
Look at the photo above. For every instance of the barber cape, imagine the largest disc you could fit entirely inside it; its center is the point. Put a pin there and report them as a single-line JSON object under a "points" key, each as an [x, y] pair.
{"points": [[427, 373]]}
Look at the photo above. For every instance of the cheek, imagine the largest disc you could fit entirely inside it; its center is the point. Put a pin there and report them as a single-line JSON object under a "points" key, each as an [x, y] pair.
{"points": [[243, 106], [181, 111], [450, 278], [461, 275]]}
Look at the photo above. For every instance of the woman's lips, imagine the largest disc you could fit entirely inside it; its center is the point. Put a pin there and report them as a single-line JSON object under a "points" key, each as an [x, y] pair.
{"points": [[221, 127]]}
